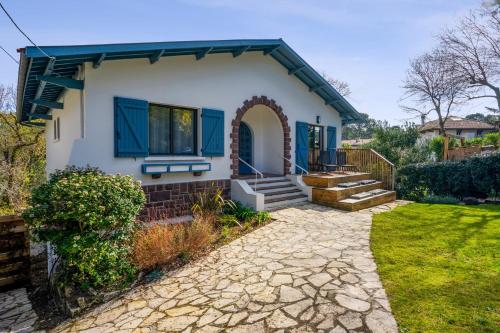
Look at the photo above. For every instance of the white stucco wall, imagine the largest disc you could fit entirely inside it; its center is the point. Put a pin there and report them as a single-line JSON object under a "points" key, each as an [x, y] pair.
{"points": [[217, 81], [59, 152]]}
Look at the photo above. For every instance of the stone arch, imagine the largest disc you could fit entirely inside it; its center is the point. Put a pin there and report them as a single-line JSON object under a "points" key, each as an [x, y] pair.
{"points": [[278, 110]]}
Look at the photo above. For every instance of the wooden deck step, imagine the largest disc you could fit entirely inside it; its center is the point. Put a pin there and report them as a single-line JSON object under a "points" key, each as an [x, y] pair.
{"points": [[327, 195], [351, 204], [326, 180]]}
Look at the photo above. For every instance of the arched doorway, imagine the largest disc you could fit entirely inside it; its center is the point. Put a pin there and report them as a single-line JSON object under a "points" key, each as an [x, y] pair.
{"points": [[245, 147], [285, 148]]}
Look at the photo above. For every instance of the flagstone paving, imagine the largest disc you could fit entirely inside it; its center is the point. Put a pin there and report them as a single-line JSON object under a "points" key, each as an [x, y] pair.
{"points": [[16, 313], [311, 270]]}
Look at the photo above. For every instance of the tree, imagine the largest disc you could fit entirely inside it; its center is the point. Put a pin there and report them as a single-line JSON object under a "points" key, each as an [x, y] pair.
{"points": [[362, 129], [22, 155], [399, 144], [341, 86], [431, 86], [472, 50], [489, 119]]}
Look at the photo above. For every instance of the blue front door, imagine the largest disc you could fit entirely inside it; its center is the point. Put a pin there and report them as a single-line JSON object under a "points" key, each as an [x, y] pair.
{"points": [[245, 148]]}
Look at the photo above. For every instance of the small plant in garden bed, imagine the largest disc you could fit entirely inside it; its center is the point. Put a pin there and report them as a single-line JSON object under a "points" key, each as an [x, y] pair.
{"points": [[216, 221]]}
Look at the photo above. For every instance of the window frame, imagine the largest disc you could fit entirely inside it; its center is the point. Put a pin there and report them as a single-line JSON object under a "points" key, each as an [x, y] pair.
{"points": [[171, 108]]}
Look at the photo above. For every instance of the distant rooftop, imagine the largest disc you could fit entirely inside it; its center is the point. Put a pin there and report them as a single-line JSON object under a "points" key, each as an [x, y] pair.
{"points": [[454, 122]]}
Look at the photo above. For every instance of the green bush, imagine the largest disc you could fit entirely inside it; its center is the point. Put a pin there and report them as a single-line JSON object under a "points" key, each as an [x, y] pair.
{"points": [[491, 139], [242, 213], [477, 176], [474, 142], [436, 145], [89, 218], [437, 199]]}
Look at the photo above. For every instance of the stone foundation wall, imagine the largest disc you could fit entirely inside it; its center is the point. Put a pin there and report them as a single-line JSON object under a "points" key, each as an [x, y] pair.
{"points": [[173, 200], [39, 273]]}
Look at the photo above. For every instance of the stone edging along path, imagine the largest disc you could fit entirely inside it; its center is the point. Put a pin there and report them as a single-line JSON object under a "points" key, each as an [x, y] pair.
{"points": [[311, 270]]}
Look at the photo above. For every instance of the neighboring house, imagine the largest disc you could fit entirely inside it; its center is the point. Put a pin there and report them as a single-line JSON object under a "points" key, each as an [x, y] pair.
{"points": [[356, 143], [462, 127], [180, 116]]}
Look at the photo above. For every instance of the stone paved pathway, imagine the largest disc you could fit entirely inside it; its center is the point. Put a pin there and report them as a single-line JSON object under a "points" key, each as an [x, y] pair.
{"points": [[16, 314], [311, 270]]}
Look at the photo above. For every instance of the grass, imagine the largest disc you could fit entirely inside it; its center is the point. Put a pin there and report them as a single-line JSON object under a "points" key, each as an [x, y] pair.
{"points": [[440, 266]]}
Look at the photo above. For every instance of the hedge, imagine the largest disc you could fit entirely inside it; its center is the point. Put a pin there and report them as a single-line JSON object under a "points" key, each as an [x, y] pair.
{"points": [[477, 176]]}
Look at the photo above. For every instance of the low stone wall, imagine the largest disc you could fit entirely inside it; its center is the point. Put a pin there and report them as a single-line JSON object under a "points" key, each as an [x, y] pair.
{"points": [[173, 200]]}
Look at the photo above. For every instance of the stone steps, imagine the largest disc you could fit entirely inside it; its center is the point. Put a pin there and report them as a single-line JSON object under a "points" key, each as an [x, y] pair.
{"points": [[278, 191]]}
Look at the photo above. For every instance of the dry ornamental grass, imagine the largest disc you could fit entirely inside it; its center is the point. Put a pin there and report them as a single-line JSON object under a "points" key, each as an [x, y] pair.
{"points": [[162, 244]]}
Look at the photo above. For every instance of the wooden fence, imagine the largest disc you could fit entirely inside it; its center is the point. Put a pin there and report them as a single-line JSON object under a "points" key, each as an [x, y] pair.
{"points": [[368, 160], [14, 251]]}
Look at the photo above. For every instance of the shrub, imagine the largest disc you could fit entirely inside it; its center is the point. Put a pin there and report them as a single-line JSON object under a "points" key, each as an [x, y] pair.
{"points": [[491, 139], [436, 199], [474, 142], [89, 218], [162, 244], [436, 145], [476, 176], [242, 213]]}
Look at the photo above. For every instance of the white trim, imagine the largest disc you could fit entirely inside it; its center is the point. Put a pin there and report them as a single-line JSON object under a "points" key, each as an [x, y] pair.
{"points": [[175, 158]]}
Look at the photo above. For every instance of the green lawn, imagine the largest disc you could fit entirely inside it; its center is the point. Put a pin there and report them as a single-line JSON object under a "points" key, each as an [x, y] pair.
{"points": [[440, 266]]}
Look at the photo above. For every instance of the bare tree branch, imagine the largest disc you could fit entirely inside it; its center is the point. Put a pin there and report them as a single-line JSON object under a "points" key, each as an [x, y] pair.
{"points": [[431, 86], [341, 86], [472, 52]]}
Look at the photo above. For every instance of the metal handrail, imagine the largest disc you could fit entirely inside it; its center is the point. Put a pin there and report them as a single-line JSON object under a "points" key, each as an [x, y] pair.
{"points": [[298, 166], [257, 172]]}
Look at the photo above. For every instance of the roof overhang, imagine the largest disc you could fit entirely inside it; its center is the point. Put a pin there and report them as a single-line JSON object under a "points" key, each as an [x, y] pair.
{"points": [[42, 80]]}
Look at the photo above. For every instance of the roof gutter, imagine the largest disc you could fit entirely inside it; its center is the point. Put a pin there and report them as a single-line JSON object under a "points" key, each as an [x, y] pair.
{"points": [[24, 65]]}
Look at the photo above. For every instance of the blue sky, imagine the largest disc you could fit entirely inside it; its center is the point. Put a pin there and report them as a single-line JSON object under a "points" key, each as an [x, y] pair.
{"points": [[364, 42]]}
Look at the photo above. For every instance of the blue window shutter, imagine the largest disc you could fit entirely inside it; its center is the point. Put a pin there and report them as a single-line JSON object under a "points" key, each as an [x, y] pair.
{"points": [[331, 144], [301, 146], [131, 127], [212, 132], [331, 138]]}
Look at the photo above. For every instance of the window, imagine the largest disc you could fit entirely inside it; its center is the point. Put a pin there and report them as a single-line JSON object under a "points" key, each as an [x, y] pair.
{"points": [[172, 130], [57, 129]]}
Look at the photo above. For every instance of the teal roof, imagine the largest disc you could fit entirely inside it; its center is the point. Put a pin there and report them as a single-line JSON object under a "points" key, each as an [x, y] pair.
{"points": [[64, 62]]}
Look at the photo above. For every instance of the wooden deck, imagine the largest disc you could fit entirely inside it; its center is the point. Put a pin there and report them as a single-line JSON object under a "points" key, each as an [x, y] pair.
{"points": [[332, 179], [350, 197], [327, 195]]}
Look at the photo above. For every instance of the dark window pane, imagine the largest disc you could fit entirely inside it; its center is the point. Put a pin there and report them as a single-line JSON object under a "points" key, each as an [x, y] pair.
{"points": [[183, 131], [159, 130]]}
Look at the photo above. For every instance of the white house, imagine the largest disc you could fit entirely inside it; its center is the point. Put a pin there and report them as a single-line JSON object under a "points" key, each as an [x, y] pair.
{"points": [[181, 116], [462, 127]]}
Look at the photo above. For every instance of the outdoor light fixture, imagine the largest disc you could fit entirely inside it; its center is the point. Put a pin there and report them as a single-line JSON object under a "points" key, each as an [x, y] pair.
{"points": [[318, 119]]}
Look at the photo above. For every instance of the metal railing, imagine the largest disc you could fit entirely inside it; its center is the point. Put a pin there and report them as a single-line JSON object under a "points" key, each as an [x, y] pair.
{"points": [[368, 160], [303, 171], [257, 172]]}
